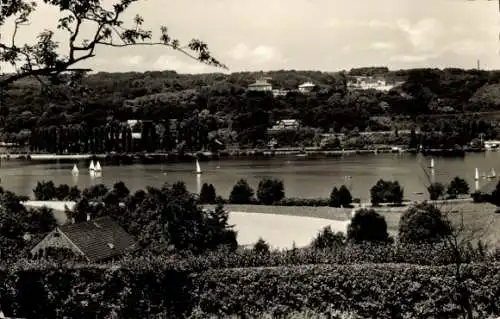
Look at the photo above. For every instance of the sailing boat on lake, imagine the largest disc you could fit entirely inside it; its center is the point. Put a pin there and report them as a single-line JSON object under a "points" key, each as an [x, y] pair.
{"points": [[91, 167], [98, 168], [492, 174], [198, 168], [75, 170]]}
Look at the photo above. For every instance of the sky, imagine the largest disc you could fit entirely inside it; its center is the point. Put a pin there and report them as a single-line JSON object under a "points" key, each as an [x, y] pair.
{"points": [[326, 35]]}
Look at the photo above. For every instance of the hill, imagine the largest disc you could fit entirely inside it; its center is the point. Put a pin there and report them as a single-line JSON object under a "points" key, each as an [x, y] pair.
{"points": [[219, 106]]}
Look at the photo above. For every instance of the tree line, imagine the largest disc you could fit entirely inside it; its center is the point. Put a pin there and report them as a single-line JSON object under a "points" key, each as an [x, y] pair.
{"points": [[114, 137], [218, 106]]}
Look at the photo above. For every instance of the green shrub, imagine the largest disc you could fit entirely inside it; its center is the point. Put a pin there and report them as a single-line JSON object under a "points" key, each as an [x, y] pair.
{"points": [[314, 202], [207, 194], [386, 192], [270, 191], [45, 190], [458, 186], [241, 193], [435, 190], [479, 197], [423, 223], [368, 225]]}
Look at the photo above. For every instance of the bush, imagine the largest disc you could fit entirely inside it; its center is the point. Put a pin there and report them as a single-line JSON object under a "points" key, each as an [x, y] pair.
{"points": [[74, 193], [41, 220], [458, 186], [479, 197], [207, 194], [313, 202], [241, 193], [386, 192], [45, 190], [96, 192], [327, 239], [261, 247], [494, 198], [62, 192], [367, 225], [121, 190], [270, 191], [345, 196], [334, 198], [423, 223], [436, 190], [51, 291]]}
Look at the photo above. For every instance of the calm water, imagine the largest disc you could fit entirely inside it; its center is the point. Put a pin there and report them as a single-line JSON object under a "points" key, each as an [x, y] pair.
{"points": [[303, 177]]}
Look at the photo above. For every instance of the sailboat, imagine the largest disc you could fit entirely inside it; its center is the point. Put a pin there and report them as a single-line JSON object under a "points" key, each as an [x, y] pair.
{"points": [[75, 170], [198, 168], [492, 174], [476, 176], [432, 163], [91, 167], [98, 168]]}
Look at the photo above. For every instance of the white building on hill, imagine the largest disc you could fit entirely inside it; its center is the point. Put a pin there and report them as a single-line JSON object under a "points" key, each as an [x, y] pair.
{"points": [[370, 82], [261, 85], [306, 87]]}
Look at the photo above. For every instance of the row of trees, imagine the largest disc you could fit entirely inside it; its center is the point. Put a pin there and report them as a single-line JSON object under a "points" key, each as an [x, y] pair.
{"points": [[114, 137], [271, 191]]}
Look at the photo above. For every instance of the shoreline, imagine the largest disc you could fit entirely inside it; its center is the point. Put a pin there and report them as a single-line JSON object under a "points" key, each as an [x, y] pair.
{"points": [[145, 158]]}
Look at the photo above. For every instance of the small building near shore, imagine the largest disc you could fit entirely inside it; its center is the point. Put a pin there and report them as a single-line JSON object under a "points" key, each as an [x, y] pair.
{"points": [[97, 240], [289, 124]]}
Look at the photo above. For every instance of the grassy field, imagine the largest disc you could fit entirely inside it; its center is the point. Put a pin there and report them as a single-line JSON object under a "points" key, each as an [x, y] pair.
{"points": [[479, 219]]}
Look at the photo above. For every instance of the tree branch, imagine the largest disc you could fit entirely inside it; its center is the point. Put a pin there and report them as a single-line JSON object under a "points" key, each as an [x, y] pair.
{"points": [[42, 60]]}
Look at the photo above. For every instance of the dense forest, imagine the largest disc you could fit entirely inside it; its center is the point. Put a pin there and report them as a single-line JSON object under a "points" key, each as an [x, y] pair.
{"points": [[190, 112]]}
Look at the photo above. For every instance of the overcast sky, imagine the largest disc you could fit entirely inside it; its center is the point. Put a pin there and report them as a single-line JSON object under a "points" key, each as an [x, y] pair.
{"points": [[326, 35]]}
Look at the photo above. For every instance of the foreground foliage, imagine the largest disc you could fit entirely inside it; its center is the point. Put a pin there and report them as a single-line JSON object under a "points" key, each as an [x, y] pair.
{"points": [[174, 289]]}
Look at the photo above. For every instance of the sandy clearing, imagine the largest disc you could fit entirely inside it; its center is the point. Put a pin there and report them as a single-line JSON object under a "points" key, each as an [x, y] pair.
{"points": [[280, 231]]}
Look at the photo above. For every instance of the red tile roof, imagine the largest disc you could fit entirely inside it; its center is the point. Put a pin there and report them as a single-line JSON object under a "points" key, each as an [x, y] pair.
{"points": [[99, 239]]}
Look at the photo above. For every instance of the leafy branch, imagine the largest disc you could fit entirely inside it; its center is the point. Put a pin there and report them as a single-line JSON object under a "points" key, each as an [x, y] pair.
{"points": [[42, 59]]}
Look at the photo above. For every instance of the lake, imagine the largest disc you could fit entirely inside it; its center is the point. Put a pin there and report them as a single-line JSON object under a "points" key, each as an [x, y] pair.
{"points": [[303, 177]]}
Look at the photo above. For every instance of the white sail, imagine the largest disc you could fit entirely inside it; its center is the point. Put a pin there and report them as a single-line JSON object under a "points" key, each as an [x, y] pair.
{"points": [[98, 167], [198, 168], [476, 176], [493, 174], [91, 167], [432, 163], [75, 170]]}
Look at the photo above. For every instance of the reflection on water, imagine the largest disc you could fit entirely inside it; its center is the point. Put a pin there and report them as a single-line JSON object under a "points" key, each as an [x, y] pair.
{"points": [[302, 177], [198, 183]]}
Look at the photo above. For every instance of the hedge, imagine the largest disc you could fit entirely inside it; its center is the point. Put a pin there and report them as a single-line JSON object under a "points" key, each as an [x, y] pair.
{"points": [[369, 290], [92, 291], [169, 290], [430, 255]]}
